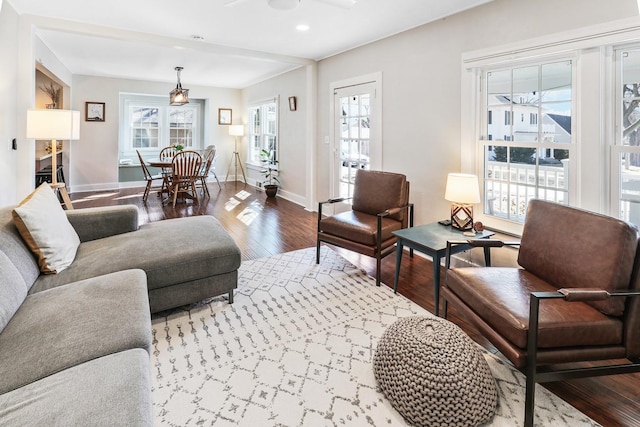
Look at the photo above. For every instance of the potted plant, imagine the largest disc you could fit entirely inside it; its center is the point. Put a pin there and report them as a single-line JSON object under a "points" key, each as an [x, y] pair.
{"points": [[270, 172]]}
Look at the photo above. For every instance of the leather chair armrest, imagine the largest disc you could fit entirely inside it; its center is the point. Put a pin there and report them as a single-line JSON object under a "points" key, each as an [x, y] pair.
{"points": [[394, 211], [489, 243], [584, 294], [329, 201]]}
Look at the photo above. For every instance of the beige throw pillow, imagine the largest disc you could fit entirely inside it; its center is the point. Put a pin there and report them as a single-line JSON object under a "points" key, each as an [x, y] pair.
{"points": [[46, 230]]}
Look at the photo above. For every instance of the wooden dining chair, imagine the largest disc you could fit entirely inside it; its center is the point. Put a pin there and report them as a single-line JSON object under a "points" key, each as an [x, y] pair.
{"points": [[209, 157], [149, 177], [185, 170], [167, 153]]}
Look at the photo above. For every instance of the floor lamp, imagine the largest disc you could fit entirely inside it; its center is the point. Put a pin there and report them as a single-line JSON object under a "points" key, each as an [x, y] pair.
{"points": [[54, 125], [236, 131]]}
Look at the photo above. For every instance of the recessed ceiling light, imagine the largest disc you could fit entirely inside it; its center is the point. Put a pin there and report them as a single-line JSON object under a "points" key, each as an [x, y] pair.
{"points": [[302, 27]]}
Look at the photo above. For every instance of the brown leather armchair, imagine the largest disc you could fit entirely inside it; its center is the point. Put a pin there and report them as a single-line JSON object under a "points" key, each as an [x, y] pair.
{"points": [[574, 298], [380, 205]]}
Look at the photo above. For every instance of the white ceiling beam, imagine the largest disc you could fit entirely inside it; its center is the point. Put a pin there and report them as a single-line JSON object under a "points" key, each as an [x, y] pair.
{"points": [[81, 28]]}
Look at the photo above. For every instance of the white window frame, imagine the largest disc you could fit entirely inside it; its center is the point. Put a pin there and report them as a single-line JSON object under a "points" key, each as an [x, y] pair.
{"points": [[513, 223], [127, 151], [616, 147], [261, 134]]}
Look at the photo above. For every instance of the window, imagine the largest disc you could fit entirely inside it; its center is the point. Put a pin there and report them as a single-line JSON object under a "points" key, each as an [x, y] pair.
{"points": [[149, 124], [532, 160], [507, 117], [263, 130], [626, 150]]}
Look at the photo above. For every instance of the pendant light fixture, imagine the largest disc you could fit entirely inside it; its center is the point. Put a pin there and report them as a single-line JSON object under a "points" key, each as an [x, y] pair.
{"points": [[179, 96]]}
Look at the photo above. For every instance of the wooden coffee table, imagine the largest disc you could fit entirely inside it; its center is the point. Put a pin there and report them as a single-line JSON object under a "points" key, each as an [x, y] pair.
{"points": [[431, 239]]}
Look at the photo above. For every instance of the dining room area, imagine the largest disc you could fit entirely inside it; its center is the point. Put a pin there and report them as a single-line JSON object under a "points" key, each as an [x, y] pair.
{"points": [[178, 174]]}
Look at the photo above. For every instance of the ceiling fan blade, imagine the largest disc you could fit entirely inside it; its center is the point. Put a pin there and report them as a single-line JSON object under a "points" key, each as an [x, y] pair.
{"points": [[344, 4], [234, 3]]}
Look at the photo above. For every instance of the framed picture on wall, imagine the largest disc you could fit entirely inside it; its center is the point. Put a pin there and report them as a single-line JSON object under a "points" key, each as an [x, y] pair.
{"points": [[94, 111], [224, 116]]}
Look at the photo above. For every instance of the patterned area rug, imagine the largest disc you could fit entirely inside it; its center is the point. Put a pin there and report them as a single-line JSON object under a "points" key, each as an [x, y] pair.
{"points": [[296, 349]]}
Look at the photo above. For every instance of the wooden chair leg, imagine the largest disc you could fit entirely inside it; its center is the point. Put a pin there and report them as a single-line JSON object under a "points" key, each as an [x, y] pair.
{"points": [[194, 189], [146, 191], [175, 194]]}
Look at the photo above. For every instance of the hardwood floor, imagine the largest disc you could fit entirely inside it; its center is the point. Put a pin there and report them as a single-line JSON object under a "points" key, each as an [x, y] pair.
{"points": [[262, 227]]}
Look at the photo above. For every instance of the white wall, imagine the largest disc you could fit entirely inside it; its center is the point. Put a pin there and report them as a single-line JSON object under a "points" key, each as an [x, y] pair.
{"points": [[293, 143], [8, 108], [422, 91], [94, 158]]}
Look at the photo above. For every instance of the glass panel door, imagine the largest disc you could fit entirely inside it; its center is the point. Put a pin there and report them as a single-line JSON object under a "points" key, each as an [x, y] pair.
{"points": [[354, 143]]}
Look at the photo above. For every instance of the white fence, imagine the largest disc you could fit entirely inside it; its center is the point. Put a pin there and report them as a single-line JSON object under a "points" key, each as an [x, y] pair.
{"points": [[509, 187]]}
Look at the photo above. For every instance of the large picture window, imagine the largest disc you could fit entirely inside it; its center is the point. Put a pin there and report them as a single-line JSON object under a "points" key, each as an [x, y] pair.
{"points": [[149, 124], [526, 155], [263, 131]]}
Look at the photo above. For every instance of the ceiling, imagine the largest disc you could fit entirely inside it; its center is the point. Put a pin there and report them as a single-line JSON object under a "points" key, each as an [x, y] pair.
{"points": [[242, 43]]}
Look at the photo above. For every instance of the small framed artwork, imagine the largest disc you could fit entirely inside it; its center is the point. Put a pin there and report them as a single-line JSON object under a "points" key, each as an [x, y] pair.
{"points": [[292, 103], [224, 116], [94, 111]]}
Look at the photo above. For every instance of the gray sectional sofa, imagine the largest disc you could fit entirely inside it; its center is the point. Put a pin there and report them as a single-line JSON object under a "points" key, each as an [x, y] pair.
{"points": [[74, 346]]}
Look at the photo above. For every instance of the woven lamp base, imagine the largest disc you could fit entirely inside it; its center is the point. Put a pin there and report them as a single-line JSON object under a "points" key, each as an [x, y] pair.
{"points": [[434, 374]]}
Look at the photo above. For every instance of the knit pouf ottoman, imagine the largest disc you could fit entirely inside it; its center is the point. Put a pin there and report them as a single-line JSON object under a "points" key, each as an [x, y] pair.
{"points": [[434, 374]]}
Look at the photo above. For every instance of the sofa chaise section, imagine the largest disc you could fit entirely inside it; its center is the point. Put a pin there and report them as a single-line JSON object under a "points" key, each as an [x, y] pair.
{"points": [[65, 326], [186, 259], [112, 390]]}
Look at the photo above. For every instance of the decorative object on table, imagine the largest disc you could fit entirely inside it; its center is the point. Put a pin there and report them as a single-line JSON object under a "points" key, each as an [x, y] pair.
{"points": [[434, 374], [53, 125], [462, 191], [225, 116], [178, 147], [235, 131], [270, 172], [179, 96], [94, 111], [478, 226], [54, 93], [292, 103]]}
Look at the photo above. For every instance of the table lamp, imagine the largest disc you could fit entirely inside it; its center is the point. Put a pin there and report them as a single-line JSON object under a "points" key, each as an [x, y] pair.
{"points": [[236, 131], [462, 191], [54, 125]]}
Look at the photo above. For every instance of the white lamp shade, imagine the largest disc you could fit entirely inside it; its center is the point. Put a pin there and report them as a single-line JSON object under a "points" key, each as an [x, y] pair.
{"points": [[53, 124], [236, 130], [462, 188]]}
